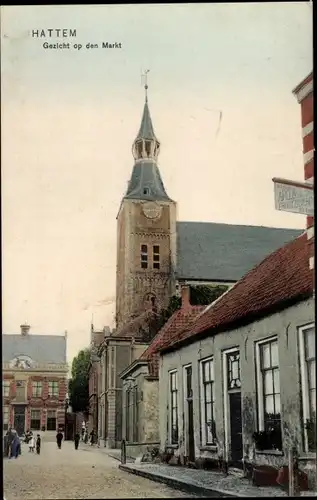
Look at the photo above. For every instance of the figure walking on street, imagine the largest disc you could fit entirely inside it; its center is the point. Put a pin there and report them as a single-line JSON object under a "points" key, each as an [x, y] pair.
{"points": [[76, 440], [31, 443], [38, 444], [15, 446], [59, 439]]}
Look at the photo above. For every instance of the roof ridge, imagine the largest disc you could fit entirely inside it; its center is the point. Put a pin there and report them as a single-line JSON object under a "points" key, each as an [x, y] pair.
{"points": [[239, 225]]}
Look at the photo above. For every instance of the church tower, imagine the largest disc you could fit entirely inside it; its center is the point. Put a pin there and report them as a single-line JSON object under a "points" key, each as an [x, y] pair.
{"points": [[146, 232]]}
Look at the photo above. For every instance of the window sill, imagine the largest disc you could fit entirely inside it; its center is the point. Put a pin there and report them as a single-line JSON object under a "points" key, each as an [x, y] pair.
{"points": [[212, 447], [277, 453], [174, 446]]}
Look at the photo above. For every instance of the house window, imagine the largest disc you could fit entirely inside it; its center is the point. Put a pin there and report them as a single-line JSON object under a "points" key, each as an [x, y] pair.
{"points": [[20, 390], [6, 388], [35, 420], [173, 408], [144, 256], [156, 257], [269, 403], [307, 344], [6, 415], [36, 389], [207, 401], [53, 388], [51, 420], [146, 191]]}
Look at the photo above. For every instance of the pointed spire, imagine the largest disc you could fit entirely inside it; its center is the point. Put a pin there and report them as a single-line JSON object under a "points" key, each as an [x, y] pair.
{"points": [[146, 182], [146, 145], [146, 128]]}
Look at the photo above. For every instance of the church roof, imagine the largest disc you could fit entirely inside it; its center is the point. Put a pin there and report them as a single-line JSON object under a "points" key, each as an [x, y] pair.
{"points": [[146, 182], [282, 279], [40, 348], [225, 252], [146, 129]]}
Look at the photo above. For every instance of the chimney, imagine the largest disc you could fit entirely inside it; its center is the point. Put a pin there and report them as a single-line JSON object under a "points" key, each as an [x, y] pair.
{"points": [[185, 294], [25, 329]]}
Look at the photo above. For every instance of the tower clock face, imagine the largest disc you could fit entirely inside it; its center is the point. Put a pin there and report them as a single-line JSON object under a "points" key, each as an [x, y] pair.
{"points": [[152, 210]]}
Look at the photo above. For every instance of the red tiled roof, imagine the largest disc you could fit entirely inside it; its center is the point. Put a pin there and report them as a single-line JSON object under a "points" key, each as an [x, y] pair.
{"points": [[179, 320], [280, 279]]}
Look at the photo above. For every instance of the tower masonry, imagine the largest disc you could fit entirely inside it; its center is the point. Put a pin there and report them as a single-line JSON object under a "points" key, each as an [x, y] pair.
{"points": [[146, 232]]}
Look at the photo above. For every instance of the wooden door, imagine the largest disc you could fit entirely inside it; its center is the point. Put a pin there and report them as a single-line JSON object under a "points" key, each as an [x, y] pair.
{"points": [[236, 429]]}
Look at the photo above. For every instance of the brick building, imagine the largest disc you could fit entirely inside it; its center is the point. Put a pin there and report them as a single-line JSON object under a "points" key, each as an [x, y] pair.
{"points": [[34, 383], [304, 93]]}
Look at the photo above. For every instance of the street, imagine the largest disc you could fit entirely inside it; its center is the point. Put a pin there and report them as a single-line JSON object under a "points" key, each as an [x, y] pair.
{"points": [[67, 473]]}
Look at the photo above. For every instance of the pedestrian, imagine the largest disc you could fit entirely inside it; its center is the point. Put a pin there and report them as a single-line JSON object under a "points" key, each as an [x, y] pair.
{"points": [[31, 443], [59, 439], [15, 446], [86, 437], [76, 440], [38, 444], [92, 437]]}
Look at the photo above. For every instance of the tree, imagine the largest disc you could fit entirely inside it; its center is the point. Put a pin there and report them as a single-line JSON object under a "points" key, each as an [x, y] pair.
{"points": [[78, 386]]}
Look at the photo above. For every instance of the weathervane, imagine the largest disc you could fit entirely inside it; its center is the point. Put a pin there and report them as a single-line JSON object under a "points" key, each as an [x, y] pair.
{"points": [[144, 79]]}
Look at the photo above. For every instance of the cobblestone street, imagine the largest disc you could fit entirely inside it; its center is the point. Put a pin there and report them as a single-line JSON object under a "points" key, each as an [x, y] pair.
{"points": [[67, 473]]}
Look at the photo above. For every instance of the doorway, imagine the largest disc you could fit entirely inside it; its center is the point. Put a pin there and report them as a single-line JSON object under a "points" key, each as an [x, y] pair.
{"points": [[232, 407], [19, 419], [236, 429], [189, 414]]}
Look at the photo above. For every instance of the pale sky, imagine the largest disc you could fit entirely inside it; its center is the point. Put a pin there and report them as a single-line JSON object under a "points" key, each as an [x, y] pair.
{"points": [[69, 118]]}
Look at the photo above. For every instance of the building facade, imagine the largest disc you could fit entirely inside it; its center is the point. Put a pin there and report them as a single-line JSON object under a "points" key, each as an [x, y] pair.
{"points": [[35, 382], [140, 391], [157, 254], [240, 383]]}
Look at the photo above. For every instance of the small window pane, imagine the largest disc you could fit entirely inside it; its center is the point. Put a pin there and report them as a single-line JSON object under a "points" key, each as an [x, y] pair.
{"points": [[173, 381], [144, 248], [209, 438], [144, 265], [235, 369], [208, 413], [276, 375], [208, 393], [312, 374], [156, 257], [268, 382], [174, 416], [156, 249], [277, 403], [266, 362], [274, 353], [313, 400], [156, 265], [310, 343], [269, 404], [207, 371]]}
